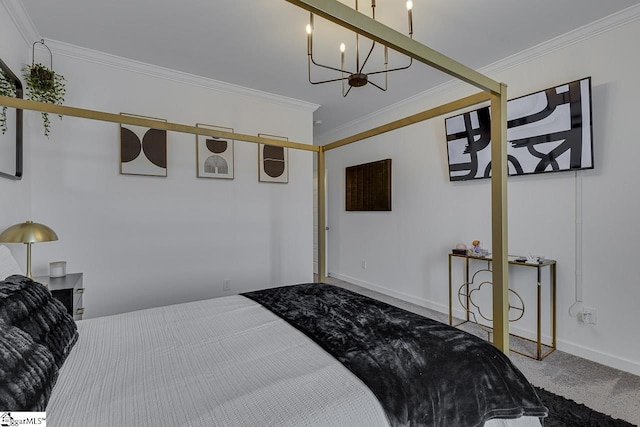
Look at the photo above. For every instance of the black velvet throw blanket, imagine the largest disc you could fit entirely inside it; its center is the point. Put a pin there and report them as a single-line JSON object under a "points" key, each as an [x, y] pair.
{"points": [[423, 372], [564, 412]]}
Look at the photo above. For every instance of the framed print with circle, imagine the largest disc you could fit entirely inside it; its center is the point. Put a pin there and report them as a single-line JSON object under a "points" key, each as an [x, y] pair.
{"points": [[143, 150], [214, 156]]}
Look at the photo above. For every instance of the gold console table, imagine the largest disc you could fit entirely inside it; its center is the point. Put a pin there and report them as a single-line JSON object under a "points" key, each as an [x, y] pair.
{"points": [[539, 354]]}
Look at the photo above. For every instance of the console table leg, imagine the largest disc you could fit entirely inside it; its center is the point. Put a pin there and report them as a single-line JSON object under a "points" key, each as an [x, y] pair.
{"points": [[539, 320]]}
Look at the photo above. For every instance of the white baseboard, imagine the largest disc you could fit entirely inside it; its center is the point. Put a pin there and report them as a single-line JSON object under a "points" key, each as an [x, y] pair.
{"points": [[607, 359], [610, 360], [405, 297]]}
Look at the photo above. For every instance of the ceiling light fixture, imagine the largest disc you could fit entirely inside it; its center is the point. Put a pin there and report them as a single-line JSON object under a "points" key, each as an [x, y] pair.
{"points": [[359, 77]]}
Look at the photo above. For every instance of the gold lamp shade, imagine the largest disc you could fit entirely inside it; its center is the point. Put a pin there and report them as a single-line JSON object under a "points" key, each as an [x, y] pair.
{"points": [[28, 232]]}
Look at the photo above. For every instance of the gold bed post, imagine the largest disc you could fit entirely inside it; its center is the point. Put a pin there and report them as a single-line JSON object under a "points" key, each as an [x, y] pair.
{"points": [[347, 17], [351, 19], [499, 219], [322, 220]]}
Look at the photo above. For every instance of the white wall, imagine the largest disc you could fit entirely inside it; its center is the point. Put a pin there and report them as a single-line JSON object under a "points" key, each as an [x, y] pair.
{"points": [[14, 195], [406, 249], [149, 241]]}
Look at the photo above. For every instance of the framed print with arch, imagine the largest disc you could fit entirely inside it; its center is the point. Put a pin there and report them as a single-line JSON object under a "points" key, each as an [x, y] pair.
{"points": [[273, 161], [214, 156]]}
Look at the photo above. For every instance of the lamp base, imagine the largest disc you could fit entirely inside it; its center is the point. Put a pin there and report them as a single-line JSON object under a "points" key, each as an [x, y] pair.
{"points": [[29, 275]]}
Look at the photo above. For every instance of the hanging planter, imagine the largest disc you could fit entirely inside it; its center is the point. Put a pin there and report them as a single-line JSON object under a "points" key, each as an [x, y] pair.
{"points": [[44, 85], [7, 88]]}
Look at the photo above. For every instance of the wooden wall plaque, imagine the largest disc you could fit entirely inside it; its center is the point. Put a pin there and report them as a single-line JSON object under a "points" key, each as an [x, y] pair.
{"points": [[368, 186]]}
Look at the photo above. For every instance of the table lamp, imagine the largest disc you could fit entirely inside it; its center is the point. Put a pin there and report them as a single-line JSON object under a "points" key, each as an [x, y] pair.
{"points": [[28, 232]]}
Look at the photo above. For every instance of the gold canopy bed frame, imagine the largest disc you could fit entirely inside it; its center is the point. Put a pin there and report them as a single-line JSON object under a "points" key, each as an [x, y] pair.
{"points": [[347, 17]]}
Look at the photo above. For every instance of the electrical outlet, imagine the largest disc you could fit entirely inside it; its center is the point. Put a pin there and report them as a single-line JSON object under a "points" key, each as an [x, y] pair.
{"points": [[226, 284], [589, 315], [363, 264]]}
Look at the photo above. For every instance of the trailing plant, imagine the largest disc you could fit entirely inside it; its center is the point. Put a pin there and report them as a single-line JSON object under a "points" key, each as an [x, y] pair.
{"points": [[7, 88], [44, 85]]}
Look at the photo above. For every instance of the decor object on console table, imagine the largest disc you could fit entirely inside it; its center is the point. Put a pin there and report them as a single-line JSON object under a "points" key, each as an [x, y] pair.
{"points": [[68, 290], [28, 232], [460, 249]]}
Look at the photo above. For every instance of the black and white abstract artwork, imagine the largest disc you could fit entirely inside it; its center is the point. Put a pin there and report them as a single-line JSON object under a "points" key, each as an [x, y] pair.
{"points": [[547, 131], [214, 156]]}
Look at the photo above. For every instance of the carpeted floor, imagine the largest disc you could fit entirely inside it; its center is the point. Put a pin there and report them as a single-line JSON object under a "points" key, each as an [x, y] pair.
{"points": [[604, 389]]}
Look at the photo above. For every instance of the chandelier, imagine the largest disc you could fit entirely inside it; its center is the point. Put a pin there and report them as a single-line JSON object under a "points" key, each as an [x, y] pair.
{"points": [[356, 77]]}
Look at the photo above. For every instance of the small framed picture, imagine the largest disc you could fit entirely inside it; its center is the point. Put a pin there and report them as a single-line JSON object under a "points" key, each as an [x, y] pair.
{"points": [[214, 156], [143, 150], [273, 161]]}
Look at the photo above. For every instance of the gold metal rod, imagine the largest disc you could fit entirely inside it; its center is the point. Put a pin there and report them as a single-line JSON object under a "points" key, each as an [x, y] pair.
{"points": [[553, 304], [26, 104], [538, 314], [499, 220], [466, 286], [322, 220], [415, 118], [353, 20]]}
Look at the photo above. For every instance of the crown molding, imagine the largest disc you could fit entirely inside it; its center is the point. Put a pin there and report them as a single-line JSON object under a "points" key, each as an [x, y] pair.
{"points": [[105, 59], [603, 25], [22, 21]]}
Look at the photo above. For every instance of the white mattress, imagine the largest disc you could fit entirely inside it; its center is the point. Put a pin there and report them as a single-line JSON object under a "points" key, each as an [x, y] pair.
{"points": [[219, 362]]}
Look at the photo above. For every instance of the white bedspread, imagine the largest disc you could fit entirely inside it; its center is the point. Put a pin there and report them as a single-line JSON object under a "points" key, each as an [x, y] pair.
{"points": [[219, 362]]}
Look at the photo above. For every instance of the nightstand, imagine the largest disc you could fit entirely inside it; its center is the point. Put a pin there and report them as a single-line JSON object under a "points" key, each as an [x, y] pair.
{"points": [[68, 290]]}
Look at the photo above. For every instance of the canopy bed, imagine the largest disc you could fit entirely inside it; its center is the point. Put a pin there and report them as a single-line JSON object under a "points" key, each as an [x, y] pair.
{"points": [[359, 400]]}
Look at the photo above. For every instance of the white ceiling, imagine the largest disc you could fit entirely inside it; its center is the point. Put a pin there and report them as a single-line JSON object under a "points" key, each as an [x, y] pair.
{"points": [[261, 44]]}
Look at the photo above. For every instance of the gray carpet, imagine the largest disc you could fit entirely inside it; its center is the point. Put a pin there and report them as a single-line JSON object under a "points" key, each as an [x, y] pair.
{"points": [[604, 389]]}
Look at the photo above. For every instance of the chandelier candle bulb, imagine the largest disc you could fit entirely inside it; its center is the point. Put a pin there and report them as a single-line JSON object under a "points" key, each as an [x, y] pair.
{"points": [[410, 12], [310, 35]]}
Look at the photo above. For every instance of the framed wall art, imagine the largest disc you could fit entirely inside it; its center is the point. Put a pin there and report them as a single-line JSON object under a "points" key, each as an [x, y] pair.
{"points": [[143, 151], [547, 131], [368, 186], [273, 161], [214, 156], [11, 148]]}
